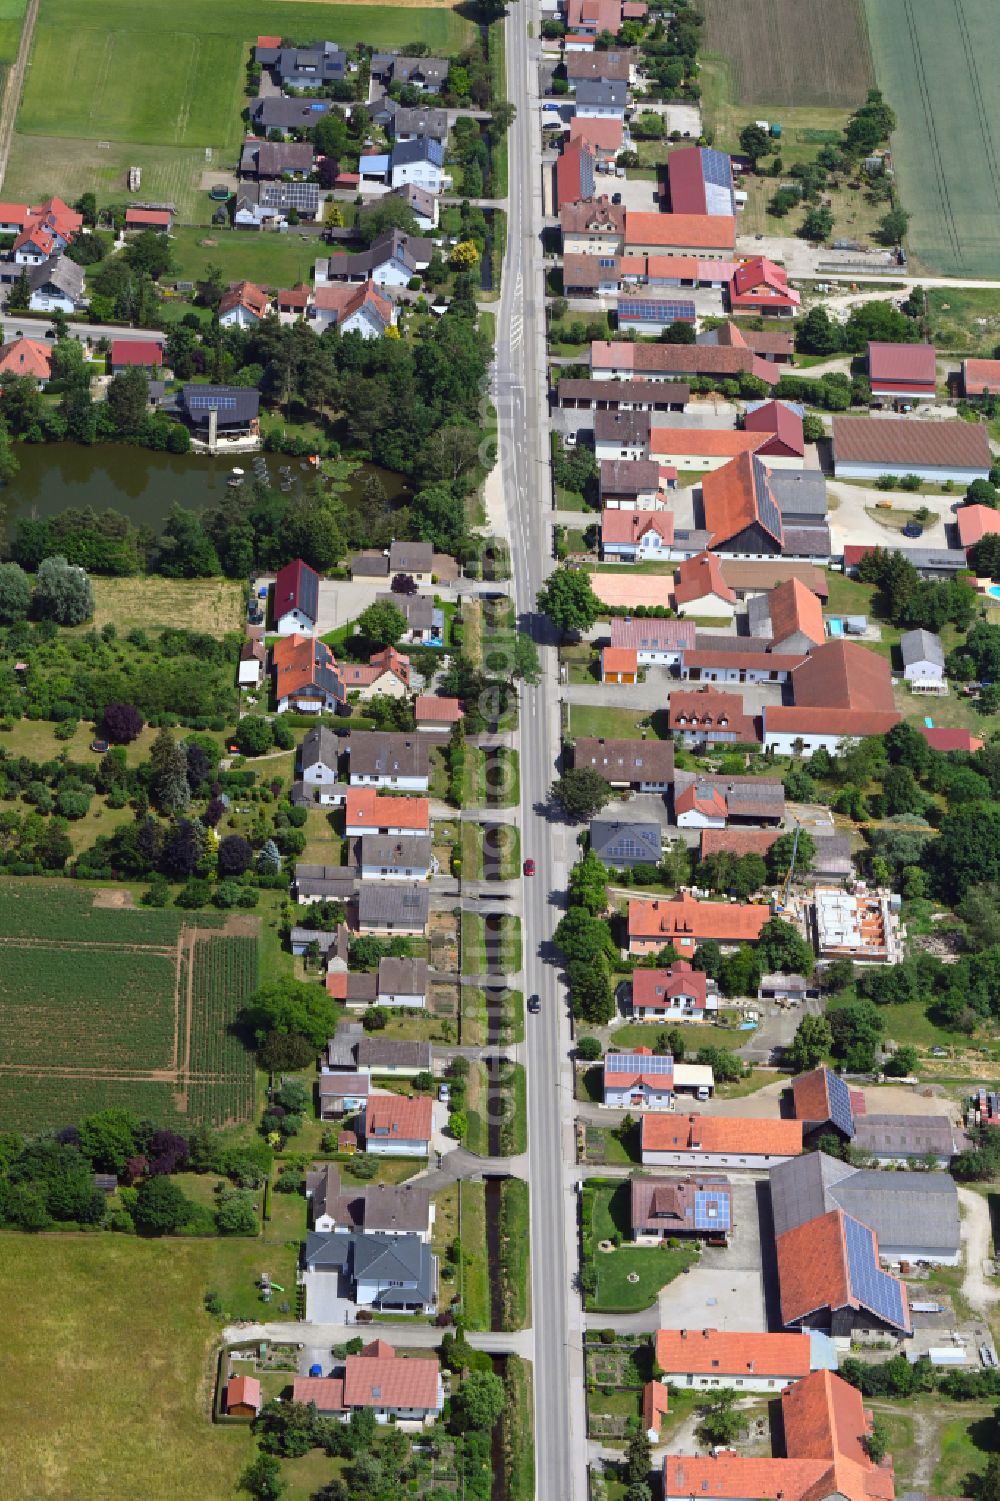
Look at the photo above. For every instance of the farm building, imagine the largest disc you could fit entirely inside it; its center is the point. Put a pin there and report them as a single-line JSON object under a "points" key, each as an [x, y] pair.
{"points": [[703, 1358], [866, 447], [700, 181], [905, 372], [718, 1141]]}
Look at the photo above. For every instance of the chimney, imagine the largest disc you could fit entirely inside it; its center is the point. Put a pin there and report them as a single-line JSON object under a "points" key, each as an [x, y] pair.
{"points": [[684, 1334]]}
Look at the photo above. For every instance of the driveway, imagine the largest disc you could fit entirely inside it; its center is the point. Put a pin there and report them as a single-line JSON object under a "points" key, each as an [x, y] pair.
{"points": [[979, 1291], [327, 1298], [714, 1297], [850, 521]]}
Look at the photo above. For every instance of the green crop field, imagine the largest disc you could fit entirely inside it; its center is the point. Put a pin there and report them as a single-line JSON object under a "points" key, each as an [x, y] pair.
{"points": [[936, 66], [790, 52], [11, 17], [114, 85], [109, 1005]]}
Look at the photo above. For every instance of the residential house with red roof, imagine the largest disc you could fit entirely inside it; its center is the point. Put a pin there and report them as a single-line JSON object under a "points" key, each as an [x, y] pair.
{"points": [[840, 692], [636, 536], [790, 616], [759, 286], [976, 522], [433, 713], [147, 354], [686, 923], [696, 1207], [386, 672], [657, 643], [405, 1390], [677, 993], [702, 801], [639, 1080], [306, 676], [293, 302], [655, 1406], [736, 659], [244, 305], [701, 589], [945, 740], [296, 599], [708, 717], [783, 425], [367, 812], [826, 1432], [363, 309], [702, 235], [902, 372], [28, 357], [13, 218], [575, 172], [699, 1359], [398, 1125], [718, 1141], [604, 137]]}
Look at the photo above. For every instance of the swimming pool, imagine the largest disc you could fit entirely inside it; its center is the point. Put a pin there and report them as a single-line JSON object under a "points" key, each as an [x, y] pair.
{"points": [[994, 589], [836, 627]]}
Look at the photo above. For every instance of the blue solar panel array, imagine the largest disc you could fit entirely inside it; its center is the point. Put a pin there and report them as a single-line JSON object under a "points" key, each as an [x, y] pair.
{"points": [[715, 167], [655, 309], [873, 1288], [767, 510], [640, 1063], [711, 1210], [839, 1096], [197, 402]]}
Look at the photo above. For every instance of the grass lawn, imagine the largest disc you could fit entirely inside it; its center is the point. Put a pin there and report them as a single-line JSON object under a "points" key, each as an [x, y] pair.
{"points": [[653, 1266], [473, 944], [965, 319], [847, 596], [513, 1264], [271, 260], [89, 1320], [594, 719], [88, 110], [214, 606], [636, 1034], [475, 1272], [472, 850], [966, 1444]]}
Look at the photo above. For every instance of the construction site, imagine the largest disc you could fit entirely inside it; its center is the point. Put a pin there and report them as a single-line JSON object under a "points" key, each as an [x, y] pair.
{"points": [[862, 924]]}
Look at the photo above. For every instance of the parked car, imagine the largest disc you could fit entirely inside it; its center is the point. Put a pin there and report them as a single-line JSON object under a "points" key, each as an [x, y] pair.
{"points": [[529, 867], [444, 1093]]}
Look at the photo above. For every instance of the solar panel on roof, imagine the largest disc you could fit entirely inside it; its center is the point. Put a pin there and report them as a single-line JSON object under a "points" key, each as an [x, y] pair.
{"points": [[872, 1287], [769, 514], [640, 1063], [711, 1210], [198, 402], [715, 167], [839, 1096], [662, 310]]}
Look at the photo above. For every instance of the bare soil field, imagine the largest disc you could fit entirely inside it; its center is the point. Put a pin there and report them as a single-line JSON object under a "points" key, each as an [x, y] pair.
{"points": [[790, 52]]}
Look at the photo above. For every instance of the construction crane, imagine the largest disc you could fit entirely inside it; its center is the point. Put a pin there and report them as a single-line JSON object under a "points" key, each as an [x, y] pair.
{"points": [[783, 904]]}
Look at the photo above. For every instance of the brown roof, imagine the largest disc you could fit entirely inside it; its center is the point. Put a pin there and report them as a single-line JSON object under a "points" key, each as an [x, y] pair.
{"points": [[711, 709], [902, 362], [911, 440], [626, 760], [793, 608], [980, 376], [844, 675], [592, 214], [751, 574], [612, 65], [386, 1380], [628, 476], [718, 657], [618, 391], [628, 428], [586, 270], [671, 359]]}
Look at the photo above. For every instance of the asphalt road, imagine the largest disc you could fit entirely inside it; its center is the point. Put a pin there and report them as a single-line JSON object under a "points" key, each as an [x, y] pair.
{"points": [[16, 324], [560, 1433]]}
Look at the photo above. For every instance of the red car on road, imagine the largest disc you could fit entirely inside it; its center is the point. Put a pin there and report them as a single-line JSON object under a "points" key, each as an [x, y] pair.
{"points": [[529, 867]]}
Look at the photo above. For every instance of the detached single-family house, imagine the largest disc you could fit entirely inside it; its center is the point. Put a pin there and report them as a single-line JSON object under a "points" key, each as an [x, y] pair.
{"points": [[644, 765], [413, 558], [639, 1080], [264, 161], [698, 1208], [296, 599], [420, 163], [701, 589], [622, 845], [385, 759], [146, 353], [687, 923], [353, 310], [398, 1125], [243, 306], [402, 982], [979, 377], [387, 672], [383, 857], [377, 1381], [391, 261], [424, 619], [422, 204], [636, 536], [356, 1051], [58, 286], [440, 714], [27, 357], [708, 717], [366, 813], [342, 1094], [275, 112], [759, 286], [319, 755], [600, 99], [923, 661], [428, 74], [219, 414], [392, 911], [594, 226], [706, 801], [629, 484], [678, 993], [306, 676], [622, 434], [368, 1209]]}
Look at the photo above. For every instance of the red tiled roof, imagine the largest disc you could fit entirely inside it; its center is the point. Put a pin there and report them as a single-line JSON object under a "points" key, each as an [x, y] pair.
{"points": [[620, 1078], [432, 710], [631, 526], [702, 1351], [151, 218], [26, 357], [336, 984], [245, 294], [919, 441], [687, 921], [243, 1391], [737, 841], [978, 376], [326, 1391], [294, 297], [759, 279], [976, 522], [569, 171], [702, 231], [811, 1095], [606, 135], [591, 214], [943, 739], [619, 659], [146, 352], [846, 723], [297, 660], [708, 801], [364, 808], [792, 608], [379, 1380], [389, 660], [655, 1405], [653, 635], [632, 589], [269, 41], [710, 708], [730, 501], [844, 675], [699, 576], [712, 442], [293, 584], [909, 364], [399, 1118], [651, 986], [721, 1133], [14, 213], [778, 419], [812, 1266], [729, 1475], [345, 301], [679, 359]]}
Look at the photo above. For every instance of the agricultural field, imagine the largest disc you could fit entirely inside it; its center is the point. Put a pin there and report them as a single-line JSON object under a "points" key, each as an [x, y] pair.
{"points": [[89, 110], [11, 18], [105, 1005], [790, 52], [935, 65], [214, 606]]}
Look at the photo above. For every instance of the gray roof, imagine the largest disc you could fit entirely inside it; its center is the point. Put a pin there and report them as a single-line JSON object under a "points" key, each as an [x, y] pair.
{"points": [[762, 797], [413, 251], [369, 565], [626, 427], [274, 112], [798, 492], [354, 1048], [418, 608], [905, 1135], [235, 405], [393, 853], [833, 854], [921, 646], [423, 120], [381, 903], [807, 541], [940, 559], [325, 937], [420, 200], [759, 615], [411, 557], [377, 1258], [328, 1252], [320, 744], [607, 91], [907, 1211], [629, 843], [336, 1086], [423, 149], [402, 977], [374, 1207], [272, 158], [385, 753], [629, 476], [335, 888], [59, 272], [432, 68]]}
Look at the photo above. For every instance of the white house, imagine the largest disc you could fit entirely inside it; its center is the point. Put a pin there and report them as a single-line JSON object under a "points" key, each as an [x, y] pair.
{"points": [[352, 309], [636, 536], [680, 993], [386, 858], [320, 753], [365, 812], [718, 1141], [243, 306], [640, 1080], [698, 1359], [398, 1126], [923, 661], [373, 1209], [419, 163], [402, 982], [342, 1094], [57, 287], [386, 759], [296, 599]]}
